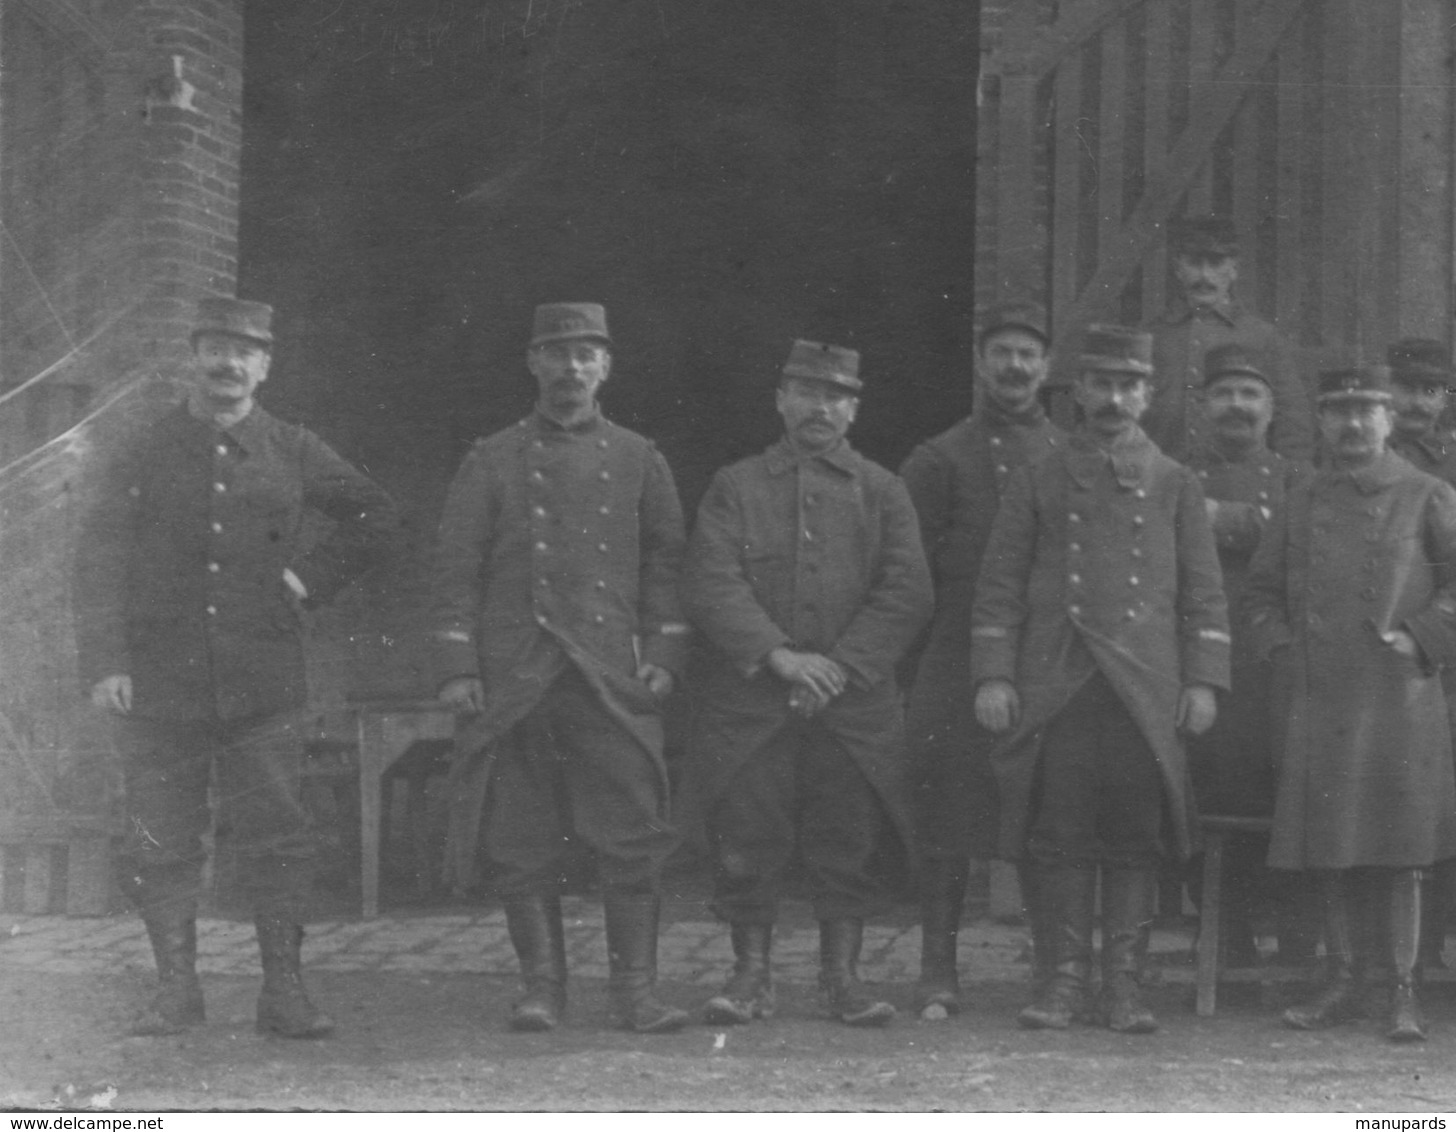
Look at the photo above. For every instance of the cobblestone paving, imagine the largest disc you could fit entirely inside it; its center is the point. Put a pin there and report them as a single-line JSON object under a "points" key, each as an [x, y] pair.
{"points": [[690, 950]]}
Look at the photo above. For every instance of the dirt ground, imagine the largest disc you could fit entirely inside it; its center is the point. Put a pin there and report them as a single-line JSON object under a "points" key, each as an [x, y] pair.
{"points": [[438, 1042]]}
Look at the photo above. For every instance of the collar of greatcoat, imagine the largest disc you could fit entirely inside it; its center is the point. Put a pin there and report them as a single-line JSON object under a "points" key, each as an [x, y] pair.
{"points": [[781, 457], [243, 433], [1130, 457], [1380, 473]]}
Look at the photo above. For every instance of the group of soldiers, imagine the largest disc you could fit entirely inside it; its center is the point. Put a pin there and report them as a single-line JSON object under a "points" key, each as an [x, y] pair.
{"points": [[1054, 647]]}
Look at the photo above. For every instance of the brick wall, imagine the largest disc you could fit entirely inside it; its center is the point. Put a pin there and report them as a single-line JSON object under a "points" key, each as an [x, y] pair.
{"points": [[120, 130]]}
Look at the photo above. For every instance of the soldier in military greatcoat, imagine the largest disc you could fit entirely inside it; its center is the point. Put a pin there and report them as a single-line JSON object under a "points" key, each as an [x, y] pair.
{"points": [[1352, 595], [558, 638], [1099, 634], [806, 575], [956, 480], [1205, 313], [1244, 482], [1421, 382], [191, 575]]}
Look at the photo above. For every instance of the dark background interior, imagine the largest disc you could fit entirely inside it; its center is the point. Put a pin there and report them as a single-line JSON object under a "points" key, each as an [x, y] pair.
{"points": [[723, 176]]}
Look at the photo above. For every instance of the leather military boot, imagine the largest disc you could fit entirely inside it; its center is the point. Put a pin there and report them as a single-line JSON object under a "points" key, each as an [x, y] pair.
{"points": [[1128, 896], [840, 941], [942, 900], [172, 928], [1043, 953], [1339, 999], [632, 956], [748, 993], [1068, 896], [283, 1007], [534, 923], [1407, 1024]]}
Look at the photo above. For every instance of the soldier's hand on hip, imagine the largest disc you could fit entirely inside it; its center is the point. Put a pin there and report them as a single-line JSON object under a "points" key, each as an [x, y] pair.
{"points": [[464, 694], [1197, 709], [112, 693], [998, 707], [658, 680], [824, 677]]}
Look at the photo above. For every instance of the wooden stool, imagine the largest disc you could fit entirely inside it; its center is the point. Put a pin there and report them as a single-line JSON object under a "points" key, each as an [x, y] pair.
{"points": [[1217, 828]]}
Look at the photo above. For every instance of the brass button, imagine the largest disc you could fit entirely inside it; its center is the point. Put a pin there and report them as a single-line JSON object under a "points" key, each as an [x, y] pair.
{"points": [[601, 546], [217, 528], [212, 611], [540, 546], [213, 567], [219, 487]]}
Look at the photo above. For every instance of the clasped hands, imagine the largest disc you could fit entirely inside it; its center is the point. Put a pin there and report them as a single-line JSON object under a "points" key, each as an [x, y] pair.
{"points": [[814, 680]]}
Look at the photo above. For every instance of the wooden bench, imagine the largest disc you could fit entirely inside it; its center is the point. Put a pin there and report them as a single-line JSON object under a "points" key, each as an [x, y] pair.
{"points": [[56, 863], [369, 738]]}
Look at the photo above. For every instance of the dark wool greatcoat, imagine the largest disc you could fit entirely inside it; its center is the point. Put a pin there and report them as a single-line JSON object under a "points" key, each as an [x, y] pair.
{"points": [[1177, 421], [955, 481], [821, 554], [557, 547], [180, 567], [1233, 760], [1365, 774], [1105, 561]]}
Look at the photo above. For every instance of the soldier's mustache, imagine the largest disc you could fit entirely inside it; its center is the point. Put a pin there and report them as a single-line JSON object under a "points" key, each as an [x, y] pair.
{"points": [[1237, 415]]}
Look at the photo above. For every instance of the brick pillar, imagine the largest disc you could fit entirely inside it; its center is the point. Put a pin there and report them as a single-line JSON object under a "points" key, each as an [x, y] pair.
{"points": [[191, 139]]}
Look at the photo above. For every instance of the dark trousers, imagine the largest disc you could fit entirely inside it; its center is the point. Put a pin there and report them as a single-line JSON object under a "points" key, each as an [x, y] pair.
{"points": [[256, 766], [801, 793], [570, 770], [953, 788], [1098, 798]]}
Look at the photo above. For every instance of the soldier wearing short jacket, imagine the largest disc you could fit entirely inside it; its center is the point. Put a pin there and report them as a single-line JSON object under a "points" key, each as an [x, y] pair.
{"points": [[1098, 635], [191, 573], [956, 480], [558, 637], [806, 576], [1352, 593]]}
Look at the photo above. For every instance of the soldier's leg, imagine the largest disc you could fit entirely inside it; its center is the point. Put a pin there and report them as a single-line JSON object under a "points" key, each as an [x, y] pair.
{"points": [[1061, 854], [525, 839], [1346, 937], [1407, 1023], [751, 830], [841, 822], [166, 767], [954, 801], [260, 792], [1131, 821], [618, 806]]}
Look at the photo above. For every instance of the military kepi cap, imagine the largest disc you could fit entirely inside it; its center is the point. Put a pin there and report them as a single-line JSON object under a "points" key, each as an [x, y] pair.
{"points": [[1356, 383], [818, 361], [1211, 237], [238, 318], [1015, 314], [1419, 361], [1117, 349], [1232, 359], [563, 322]]}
